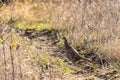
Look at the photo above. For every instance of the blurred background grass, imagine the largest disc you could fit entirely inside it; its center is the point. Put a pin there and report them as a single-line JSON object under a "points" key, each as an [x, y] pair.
{"points": [[91, 23]]}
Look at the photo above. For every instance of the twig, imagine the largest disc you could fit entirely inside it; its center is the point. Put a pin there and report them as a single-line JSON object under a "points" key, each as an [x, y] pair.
{"points": [[4, 58], [12, 61], [1, 2], [19, 61]]}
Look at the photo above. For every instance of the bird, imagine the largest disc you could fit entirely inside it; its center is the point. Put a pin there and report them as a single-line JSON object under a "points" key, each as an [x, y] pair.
{"points": [[71, 53]]}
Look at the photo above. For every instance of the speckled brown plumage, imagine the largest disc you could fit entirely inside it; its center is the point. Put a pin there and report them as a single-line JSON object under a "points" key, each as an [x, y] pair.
{"points": [[71, 53]]}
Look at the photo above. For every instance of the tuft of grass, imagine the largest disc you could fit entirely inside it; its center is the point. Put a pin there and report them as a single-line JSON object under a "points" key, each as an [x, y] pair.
{"points": [[61, 66], [57, 63], [33, 25]]}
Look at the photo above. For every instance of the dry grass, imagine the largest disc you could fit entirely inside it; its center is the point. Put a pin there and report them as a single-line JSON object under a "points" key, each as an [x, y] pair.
{"points": [[88, 23], [95, 23], [29, 62]]}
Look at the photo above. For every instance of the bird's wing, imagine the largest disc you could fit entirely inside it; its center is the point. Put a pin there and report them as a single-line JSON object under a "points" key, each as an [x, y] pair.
{"points": [[77, 53]]}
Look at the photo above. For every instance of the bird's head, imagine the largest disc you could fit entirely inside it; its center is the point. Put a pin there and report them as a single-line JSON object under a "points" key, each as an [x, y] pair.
{"points": [[64, 38]]}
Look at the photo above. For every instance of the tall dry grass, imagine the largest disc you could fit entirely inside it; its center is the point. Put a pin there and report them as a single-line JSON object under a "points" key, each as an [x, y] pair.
{"points": [[92, 23]]}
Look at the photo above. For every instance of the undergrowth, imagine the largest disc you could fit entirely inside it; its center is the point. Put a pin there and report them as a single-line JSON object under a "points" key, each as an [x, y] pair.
{"points": [[33, 25], [91, 26]]}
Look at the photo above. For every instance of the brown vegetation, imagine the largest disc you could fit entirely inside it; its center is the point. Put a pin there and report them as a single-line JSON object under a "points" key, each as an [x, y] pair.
{"points": [[27, 26]]}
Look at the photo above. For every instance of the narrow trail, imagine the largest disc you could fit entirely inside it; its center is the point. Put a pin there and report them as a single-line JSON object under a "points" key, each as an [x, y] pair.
{"points": [[39, 59], [83, 70]]}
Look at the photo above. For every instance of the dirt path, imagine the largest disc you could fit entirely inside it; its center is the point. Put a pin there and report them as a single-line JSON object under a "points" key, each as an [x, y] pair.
{"points": [[39, 59]]}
